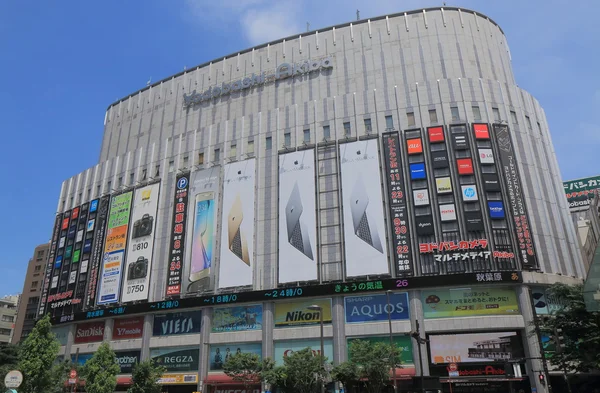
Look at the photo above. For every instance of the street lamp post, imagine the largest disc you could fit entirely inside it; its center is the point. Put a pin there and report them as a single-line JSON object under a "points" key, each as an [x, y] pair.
{"points": [[417, 336], [392, 358], [315, 307]]}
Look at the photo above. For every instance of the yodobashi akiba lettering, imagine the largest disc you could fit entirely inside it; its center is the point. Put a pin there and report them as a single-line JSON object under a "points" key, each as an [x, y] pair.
{"points": [[284, 70], [297, 316]]}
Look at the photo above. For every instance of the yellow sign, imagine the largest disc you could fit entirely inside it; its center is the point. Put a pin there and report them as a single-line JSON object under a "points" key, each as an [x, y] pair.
{"points": [[467, 302], [299, 314], [443, 185], [179, 379]]}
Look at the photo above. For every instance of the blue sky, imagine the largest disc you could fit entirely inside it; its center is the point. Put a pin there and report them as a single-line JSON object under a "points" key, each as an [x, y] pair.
{"points": [[64, 62]]}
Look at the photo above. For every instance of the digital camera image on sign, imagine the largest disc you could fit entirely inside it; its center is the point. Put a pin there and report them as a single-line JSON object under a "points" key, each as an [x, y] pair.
{"points": [[359, 200], [138, 269], [238, 244], [143, 226], [296, 229]]}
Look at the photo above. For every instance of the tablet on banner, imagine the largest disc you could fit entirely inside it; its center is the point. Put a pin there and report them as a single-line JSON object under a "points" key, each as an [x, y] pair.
{"points": [[475, 347], [415, 146], [424, 225], [439, 159], [465, 166], [469, 193], [496, 209], [481, 131], [421, 197], [376, 308], [486, 156], [436, 134], [417, 171], [443, 185], [236, 263], [448, 212]]}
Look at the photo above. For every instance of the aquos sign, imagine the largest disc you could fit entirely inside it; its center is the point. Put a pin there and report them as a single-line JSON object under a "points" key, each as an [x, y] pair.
{"points": [[283, 71]]}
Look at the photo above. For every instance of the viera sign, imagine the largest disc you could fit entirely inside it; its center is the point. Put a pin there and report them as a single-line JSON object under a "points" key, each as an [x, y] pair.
{"points": [[283, 71]]}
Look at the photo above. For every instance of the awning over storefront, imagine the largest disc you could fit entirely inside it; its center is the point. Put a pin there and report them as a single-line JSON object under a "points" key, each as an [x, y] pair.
{"points": [[221, 378]]}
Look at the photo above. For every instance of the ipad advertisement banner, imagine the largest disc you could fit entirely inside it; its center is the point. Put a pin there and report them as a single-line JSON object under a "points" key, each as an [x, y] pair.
{"points": [[114, 248], [364, 229], [236, 261], [201, 223], [178, 238], [137, 270], [297, 217]]}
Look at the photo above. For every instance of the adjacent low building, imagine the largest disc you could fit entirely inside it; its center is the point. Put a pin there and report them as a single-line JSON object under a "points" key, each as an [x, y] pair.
{"points": [[8, 313]]}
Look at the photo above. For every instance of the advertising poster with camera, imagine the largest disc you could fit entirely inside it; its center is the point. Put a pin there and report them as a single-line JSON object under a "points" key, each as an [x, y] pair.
{"points": [[364, 225], [398, 212], [141, 244], [114, 248], [236, 263], [297, 218], [518, 210]]}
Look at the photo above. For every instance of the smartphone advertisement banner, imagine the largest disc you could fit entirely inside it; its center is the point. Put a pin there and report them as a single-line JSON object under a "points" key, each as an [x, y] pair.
{"points": [[175, 359], [375, 308], [114, 248], [291, 314], [236, 261], [469, 302], [297, 217], [518, 210], [400, 233], [364, 230], [50, 264], [285, 348], [138, 265], [100, 207], [475, 347], [178, 228], [202, 206], [236, 319], [220, 353], [403, 343]]}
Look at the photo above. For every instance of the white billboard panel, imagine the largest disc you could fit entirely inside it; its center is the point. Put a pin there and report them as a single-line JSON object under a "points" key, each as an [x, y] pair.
{"points": [[138, 263], [364, 230], [236, 260], [297, 217]]}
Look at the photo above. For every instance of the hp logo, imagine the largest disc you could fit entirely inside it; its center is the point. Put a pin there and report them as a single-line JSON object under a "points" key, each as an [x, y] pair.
{"points": [[182, 183], [469, 192]]}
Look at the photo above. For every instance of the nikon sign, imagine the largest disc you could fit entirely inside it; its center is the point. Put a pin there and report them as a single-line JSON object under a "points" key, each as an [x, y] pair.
{"points": [[283, 71]]}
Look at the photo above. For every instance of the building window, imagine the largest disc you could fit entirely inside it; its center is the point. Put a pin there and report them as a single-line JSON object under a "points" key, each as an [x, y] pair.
{"points": [[287, 139], [454, 113], [251, 147], [476, 112], [98, 189], [233, 151], [40, 254], [201, 158], [433, 119], [368, 127], [171, 166], [496, 113], [528, 120], [389, 122], [347, 129], [186, 161], [120, 181], [37, 268], [5, 332], [34, 284], [539, 128], [157, 170], [513, 117], [410, 117], [8, 318], [131, 177], [109, 186], [144, 174], [33, 300], [217, 155], [306, 134], [326, 132], [269, 142]]}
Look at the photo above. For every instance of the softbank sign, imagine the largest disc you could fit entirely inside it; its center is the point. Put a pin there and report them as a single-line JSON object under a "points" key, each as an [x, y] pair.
{"points": [[283, 71]]}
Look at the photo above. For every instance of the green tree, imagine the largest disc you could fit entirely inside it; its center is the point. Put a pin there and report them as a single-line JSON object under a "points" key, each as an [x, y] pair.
{"points": [[348, 374], [37, 357], [373, 361], [245, 368], [145, 377], [575, 331], [9, 358], [100, 372], [302, 372]]}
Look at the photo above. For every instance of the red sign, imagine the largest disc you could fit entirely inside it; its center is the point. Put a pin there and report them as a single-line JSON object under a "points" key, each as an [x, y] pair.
{"points": [[425, 248], [481, 131], [415, 146], [128, 328], [436, 134], [75, 213], [89, 332], [65, 224], [465, 166]]}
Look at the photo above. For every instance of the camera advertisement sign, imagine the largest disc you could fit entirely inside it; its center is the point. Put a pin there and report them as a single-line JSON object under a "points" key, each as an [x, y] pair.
{"points": [[141, 244], [114, 248], [469, 302], [298, 313], [178, 228], [297, 218], [376, 308], [237, 319]]}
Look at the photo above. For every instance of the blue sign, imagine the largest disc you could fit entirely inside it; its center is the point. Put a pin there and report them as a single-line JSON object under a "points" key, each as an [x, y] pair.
{"points": [[496, 209], [417, 171], [182, 183], [177, 323], [58, 262], [374, 308], [93, 205], [82, 358]]}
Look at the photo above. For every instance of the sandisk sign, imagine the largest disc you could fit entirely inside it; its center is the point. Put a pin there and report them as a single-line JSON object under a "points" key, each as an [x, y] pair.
{"points": [[128, 328], [89, 332]]}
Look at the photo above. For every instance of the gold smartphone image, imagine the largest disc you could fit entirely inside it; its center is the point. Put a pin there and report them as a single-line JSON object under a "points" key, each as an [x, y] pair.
{"points": [[202, 237], [237, 240]]}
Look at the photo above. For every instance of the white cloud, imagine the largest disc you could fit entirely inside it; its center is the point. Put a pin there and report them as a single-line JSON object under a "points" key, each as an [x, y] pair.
{"points": [[270, 23]]}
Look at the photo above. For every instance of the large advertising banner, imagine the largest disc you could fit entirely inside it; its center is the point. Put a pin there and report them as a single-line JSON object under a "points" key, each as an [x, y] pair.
{"points": [[297, 217], [290, 314], [403, 343], [114, 248], [220, 353], [178, 228], [364, 230], [468, 302], [475, 347], [400, 232], [138, 266], [236, 319], [285, 348], [98, 225], [50, 264], [175, 359], [376, 308], [580, 192], [237, 235], [202, 225], [518, 209], [544, 303], [177, 323]]}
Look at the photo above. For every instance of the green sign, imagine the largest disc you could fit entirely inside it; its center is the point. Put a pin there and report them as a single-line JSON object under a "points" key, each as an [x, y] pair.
{"points": [[403, 343], [467, 302], [581, 189], [120, 207]]}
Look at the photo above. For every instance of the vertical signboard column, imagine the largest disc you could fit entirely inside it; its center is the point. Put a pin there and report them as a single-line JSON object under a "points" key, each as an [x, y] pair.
{"points": [[512, 181], [50, 264], [399, 228], [177, 243], [297, 217], [141, 244], [236, 262], [364, 228], [101, 207], [114, 248]]}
